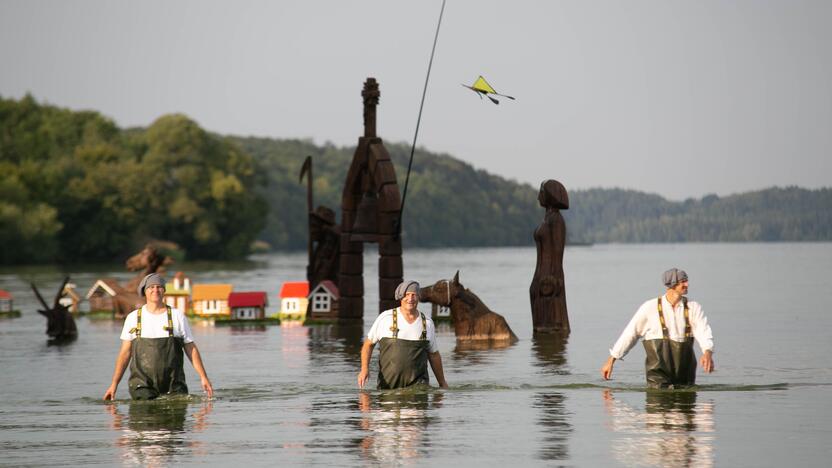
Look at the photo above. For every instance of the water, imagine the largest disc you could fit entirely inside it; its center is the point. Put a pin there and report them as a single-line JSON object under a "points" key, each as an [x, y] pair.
{"points": [[287, 394]]}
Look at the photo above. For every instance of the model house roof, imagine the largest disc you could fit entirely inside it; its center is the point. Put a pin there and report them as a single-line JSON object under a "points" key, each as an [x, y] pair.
{"points": [[202, 292], [328, 287], [294, 289], [5, 294], [109, 285], [248, 299]]}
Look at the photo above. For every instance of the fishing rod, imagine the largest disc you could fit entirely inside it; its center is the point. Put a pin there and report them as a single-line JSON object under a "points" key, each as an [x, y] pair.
{"points": [[418, 121]]}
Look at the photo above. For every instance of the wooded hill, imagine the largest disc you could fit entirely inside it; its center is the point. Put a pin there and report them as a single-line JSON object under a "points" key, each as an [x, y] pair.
{"points": [[74, 187]]}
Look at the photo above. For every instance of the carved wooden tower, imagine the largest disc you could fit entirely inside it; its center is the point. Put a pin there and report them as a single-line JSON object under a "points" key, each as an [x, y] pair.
{"points": [[371, 210]]}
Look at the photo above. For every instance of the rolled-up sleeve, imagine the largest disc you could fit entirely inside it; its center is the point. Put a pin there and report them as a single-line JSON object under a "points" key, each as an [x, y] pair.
{"points": [[629, 337], [701, 328]]}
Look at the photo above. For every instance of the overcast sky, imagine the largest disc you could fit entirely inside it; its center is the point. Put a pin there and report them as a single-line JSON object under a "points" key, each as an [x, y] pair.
{"points": [[676, 98]]}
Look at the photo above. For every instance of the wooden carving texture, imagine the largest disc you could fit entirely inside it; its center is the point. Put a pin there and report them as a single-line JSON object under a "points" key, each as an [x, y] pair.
{"points": [[548, 291]]}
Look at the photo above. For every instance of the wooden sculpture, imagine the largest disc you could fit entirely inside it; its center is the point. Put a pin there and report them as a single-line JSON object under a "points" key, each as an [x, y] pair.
{"points": [[547, 291], [149, 260], [371, 210], [325, 238], [473, 320], [60, 325]]}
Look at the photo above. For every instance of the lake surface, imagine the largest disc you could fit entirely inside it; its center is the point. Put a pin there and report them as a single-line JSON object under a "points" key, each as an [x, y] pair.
{"points": [[286, 395]]}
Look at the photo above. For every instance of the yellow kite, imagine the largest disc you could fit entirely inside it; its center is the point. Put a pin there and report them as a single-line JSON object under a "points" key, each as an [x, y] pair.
{"points": [[482, 88]]}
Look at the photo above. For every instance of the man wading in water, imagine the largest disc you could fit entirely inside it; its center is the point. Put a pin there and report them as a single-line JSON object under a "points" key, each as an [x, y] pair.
{"points": [[153, 339], [408, 343], [668, 324]]}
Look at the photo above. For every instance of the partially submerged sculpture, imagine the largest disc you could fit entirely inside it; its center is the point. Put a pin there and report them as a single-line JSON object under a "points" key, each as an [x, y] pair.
{"points": [[124, 299], [371, 212], [473, 320], [548, 291], [60, 325]]}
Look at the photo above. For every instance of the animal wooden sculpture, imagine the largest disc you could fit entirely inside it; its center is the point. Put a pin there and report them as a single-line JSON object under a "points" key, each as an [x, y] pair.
{"points": [[547, 292], [60, 325], [149, 260], [473, 320]]}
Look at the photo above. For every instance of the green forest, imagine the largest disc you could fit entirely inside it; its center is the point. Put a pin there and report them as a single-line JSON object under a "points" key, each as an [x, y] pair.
{"points": [[74, 187]]}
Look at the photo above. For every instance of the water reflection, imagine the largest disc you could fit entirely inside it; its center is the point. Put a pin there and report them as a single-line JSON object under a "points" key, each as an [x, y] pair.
{"points": [[550, 353], [395, 425], [673, 429], [157, 431], [337, 339]]}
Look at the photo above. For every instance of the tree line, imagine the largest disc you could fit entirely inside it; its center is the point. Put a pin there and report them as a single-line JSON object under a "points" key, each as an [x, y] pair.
{"points": [[74, 187]]}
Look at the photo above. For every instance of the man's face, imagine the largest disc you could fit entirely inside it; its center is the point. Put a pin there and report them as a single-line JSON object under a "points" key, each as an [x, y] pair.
{"points": [[410, 300], [681, 287], [154, 292]]}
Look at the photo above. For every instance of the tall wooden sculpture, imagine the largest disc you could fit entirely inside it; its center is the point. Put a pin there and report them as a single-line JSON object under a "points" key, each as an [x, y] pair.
{"points": [[371, 210], [548, 291]]}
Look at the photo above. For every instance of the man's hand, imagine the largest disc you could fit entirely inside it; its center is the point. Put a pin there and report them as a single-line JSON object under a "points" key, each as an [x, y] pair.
{"points": [[110, 394], [363, 376], [206, 385], [707, 361], [606, 369]]}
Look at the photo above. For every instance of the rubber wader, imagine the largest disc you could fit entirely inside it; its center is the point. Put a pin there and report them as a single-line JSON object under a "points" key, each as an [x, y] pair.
{"points": [[670, 364], [156, 364], [403, 363]]}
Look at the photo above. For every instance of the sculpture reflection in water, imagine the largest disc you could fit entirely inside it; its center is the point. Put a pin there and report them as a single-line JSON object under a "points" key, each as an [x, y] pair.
{"points": [[159, 432], [336, 343], [673, 429], [552, 417], [395, 425]]}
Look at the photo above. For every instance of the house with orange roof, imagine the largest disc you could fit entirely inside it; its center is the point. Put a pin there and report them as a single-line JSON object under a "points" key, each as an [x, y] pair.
{"points": [[294, 299], [211, 300], [248, 305]]}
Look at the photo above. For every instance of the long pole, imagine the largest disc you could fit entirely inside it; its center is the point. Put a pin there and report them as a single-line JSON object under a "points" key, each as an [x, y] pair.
{"points": [[419, 120]]}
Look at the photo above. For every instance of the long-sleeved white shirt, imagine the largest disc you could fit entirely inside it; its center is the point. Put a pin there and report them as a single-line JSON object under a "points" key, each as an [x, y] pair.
{"points": [[645, 324]]}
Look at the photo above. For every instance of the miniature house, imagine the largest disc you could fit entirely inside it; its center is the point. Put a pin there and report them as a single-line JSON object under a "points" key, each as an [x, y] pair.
{"points": [[211, 300], [178, 292], [323, 301], [70, 298], [101, 295], [248, 305], [294, 298], [6, 301]]}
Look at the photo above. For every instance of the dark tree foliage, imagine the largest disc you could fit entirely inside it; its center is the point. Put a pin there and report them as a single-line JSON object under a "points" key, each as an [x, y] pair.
{"points": [[74, 187]]}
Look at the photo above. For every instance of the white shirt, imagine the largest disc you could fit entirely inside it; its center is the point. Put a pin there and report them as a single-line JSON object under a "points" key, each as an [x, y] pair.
{"points": [[645, 324], [407, 331], [153, 325]]}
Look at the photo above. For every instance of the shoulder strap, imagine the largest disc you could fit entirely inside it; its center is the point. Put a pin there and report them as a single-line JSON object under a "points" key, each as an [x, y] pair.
{"points": [[687, 318], [170, 321], [424, 327], [138, 329], [395, 327], [661, 319]]}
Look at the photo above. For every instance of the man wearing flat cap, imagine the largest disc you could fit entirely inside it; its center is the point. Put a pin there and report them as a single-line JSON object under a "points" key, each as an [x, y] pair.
{"points": [[668, 325], [152, 343], [407, 343]]}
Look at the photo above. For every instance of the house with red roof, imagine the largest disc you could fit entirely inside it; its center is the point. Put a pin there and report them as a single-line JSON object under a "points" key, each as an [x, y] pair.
{"points": [[323, 301], [248, 305], [294, 299], [6, 301]]}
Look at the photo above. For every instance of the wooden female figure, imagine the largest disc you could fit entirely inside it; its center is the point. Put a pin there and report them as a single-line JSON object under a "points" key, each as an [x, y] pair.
{"points": [[547, 291]]}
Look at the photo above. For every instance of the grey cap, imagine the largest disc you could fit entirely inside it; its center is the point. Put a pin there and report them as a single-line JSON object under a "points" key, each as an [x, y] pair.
{"points": [[406, 287], [150, 280], [674, 276]]}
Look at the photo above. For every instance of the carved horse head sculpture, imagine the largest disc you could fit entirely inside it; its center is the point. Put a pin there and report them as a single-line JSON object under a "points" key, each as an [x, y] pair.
{"points": [[60, 325], [473, 320]]}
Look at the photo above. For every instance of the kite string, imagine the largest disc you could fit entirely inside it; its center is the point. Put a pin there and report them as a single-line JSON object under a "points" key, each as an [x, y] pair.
{"points": [[419, 119]]}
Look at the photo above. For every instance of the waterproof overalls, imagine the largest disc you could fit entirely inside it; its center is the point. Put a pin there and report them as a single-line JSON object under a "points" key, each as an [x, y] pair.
{"points": [[403, 363], [156, 364], [670, 364]]}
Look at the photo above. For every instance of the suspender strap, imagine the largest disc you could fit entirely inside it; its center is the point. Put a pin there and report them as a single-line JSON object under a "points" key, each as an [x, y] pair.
{"points": [[170, 321], [661, 320], [688, 333], [395, 327], [424, 327]]}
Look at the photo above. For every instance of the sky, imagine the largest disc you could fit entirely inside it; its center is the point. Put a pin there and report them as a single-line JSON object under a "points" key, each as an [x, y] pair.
{"points": [[678, 98]]}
